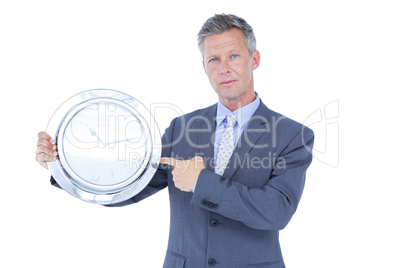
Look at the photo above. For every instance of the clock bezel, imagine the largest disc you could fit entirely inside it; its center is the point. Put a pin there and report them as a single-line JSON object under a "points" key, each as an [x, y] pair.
{"points": [[101, 194]]}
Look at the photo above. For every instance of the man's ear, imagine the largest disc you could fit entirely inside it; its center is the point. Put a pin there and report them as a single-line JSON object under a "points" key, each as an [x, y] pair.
{"points": [[256, 59], [203, 65]]}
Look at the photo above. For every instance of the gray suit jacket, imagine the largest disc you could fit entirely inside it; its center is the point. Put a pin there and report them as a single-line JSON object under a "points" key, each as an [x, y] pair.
{"points": [[233, 220]]}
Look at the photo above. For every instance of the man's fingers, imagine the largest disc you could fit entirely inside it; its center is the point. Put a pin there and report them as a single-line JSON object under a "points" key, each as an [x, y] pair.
{"points": [[45, 136], [46, 143], [41, 157], [46, 150]]}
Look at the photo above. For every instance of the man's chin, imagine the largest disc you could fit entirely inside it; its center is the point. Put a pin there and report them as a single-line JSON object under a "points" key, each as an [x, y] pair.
{"points": [[233, 95], [229, 93]]}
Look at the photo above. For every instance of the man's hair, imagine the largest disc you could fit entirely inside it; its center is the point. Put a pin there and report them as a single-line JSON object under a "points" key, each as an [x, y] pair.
{"points": [[220, 23]]}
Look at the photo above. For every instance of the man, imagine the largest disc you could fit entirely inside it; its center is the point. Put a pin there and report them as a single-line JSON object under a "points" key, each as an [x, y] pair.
{"points": [[235, 170]]}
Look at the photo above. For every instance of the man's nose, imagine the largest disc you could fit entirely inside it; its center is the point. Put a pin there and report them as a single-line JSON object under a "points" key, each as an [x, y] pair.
{"points": [[225, 67]]}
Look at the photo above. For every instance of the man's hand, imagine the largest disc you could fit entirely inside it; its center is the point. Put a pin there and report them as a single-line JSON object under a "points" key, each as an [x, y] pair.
{"points": [[185, 172], [45, 149]]}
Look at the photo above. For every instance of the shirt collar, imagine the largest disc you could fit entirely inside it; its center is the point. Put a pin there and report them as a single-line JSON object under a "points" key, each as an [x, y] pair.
{"points": [[243, 114]]}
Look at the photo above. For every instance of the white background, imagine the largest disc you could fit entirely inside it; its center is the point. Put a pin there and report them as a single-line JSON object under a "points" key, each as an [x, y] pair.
{"points": [[342, 55]]}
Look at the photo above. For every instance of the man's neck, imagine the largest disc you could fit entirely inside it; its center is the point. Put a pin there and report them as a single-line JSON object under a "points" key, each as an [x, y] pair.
{"points": [[234, 104]]}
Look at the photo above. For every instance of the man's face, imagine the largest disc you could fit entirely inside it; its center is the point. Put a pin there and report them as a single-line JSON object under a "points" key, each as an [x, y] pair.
{"points": [[229, 66]]}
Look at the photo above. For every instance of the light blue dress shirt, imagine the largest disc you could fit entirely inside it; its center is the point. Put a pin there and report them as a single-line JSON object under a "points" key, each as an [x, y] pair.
{"points": [[243, 115]]}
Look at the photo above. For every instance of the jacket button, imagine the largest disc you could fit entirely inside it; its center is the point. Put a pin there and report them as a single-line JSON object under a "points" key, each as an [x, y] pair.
{"points": [[214, 222], [211, 262]]}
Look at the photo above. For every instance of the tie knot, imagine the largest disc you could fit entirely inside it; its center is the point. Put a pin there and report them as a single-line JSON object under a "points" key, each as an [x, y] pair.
{"points": [[231, 120]]}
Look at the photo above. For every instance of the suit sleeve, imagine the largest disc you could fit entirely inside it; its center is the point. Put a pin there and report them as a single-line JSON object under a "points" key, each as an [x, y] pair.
{"points": [[267, 208]]}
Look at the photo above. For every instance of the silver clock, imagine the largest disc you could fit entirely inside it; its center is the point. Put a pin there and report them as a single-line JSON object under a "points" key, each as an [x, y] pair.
{"points": [[108, 143]]}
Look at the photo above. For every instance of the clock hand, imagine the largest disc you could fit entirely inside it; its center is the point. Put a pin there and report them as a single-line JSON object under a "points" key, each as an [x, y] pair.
{"points": [[93, 133], [119, 141]]}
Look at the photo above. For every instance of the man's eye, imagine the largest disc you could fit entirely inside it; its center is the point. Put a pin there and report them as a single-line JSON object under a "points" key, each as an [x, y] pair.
{"points": [[213, 60], [235, 56]]}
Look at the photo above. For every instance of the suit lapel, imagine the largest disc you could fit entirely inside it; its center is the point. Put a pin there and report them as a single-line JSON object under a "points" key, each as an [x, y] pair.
{"points": [[206, 125], [257, 125], [206, 136]]}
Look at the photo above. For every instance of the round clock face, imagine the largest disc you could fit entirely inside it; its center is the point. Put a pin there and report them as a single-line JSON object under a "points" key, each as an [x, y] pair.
{"points": [[107, 149]]}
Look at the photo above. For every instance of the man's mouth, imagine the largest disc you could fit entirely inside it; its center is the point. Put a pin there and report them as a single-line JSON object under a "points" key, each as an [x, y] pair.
{"points": [[227, 82]]}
